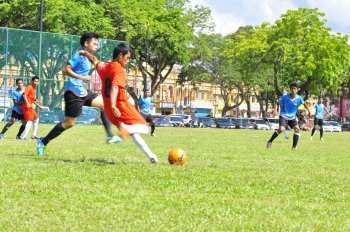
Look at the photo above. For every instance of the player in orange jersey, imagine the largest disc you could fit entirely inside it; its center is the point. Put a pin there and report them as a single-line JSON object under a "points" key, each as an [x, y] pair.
{"points": [[118, 109], [29, 113]]}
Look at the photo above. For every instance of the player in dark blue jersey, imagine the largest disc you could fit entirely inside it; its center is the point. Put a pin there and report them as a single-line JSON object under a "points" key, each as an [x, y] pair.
{"points": [[17, 113], [290, 103], [318, 122]]}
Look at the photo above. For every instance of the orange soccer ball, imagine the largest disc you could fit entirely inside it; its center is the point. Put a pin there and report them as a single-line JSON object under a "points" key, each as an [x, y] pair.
{"points": [[177, 156]]}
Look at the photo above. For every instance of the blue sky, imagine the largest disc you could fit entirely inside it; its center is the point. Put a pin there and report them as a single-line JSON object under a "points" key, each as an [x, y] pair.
{"points": [[229, 15]]}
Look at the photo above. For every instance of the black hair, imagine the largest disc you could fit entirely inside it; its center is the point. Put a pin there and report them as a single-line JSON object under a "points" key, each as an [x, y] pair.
{"points": [[87, 36], [121, 48], [319, 97], [293, 85], [35, 77], [19, 79]]}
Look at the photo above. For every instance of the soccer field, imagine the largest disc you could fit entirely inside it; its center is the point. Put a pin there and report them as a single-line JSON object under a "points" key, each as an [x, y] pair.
{"points": [[230, 182]]}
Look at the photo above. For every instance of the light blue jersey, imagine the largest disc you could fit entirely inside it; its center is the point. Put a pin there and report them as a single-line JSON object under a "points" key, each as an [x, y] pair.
{"points": [[290, 106], [81, 66], [18, 96], [319, 111], [145, 104]]}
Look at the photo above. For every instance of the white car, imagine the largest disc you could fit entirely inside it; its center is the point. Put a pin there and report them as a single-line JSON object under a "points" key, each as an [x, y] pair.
{"points": [[335, 125], [261, 124], [2, 114], [273, 122], [327, 127]]}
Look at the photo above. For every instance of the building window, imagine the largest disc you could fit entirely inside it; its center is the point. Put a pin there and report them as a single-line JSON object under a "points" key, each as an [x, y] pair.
{"points": [[202, 96], [208, 96], [171, 91], [253, 98]]}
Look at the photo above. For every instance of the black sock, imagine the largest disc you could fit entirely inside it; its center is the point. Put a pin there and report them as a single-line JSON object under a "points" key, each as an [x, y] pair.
{"points": [[21, 129], [153, 127], [321, 133], [313, 131], [274, 135], [56, 131], [6, 127], [295, 140], [106, 124]]}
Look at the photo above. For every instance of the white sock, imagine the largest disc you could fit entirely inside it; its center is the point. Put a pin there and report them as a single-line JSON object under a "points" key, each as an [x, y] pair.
{"points": [[140, 143], [136, 129], [35, 126], [26, 130], [285, 133]]}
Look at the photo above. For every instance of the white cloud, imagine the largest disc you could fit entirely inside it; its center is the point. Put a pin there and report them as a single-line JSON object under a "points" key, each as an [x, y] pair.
{"points": [[229, 15], [337, 13]]}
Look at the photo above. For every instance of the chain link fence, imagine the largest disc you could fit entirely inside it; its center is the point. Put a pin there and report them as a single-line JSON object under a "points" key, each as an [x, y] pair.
{"points": [[24, 54]]}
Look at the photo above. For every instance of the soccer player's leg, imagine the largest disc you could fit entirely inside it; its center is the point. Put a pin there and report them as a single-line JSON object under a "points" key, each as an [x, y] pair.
{"points": [[23, 126], [35, 129], [296, 136], [321, 129], [73, 108], [282, 125], [7, 126], [95, 100], [135, 125], [314, 129], [151, 122]]}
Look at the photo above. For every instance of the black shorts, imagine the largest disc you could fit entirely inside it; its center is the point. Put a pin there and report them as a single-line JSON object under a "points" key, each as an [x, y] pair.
{"points": [[147, 117], [291, 123], [318, 121], [17, 115], [74, 104]]}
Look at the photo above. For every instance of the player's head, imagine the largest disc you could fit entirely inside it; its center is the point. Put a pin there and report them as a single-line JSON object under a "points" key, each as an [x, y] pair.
{"points": [[294, 88], [146, 92], [122, 54], [89, 41], [35, 80], [19, 83], [320, 100]]}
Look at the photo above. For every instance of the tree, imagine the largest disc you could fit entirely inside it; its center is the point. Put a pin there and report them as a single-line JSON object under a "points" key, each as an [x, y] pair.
{"points": [[308, 52], [160, 32]]}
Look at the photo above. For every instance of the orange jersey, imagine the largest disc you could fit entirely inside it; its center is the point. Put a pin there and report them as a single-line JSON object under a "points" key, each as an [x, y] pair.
{"points": [[29, 113], [113, 74]]}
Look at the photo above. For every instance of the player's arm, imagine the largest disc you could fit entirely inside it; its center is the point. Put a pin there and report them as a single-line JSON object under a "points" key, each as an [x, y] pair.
{"points": [[327, 111], [38, 105], [15, 102], [113, 97], [68, 70], [308, 108], [93, 60]]}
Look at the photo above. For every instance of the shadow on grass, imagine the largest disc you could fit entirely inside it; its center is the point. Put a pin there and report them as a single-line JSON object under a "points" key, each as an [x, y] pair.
{"points": [[96, 161], [99, 161]]}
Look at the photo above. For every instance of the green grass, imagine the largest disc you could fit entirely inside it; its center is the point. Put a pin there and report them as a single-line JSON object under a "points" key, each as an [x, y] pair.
{"points": [[231, 182]]}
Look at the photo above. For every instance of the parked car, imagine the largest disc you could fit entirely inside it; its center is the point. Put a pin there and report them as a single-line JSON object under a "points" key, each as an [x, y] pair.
{"points": [[3, 114], [162, 121], [327, 127], [187, 120], [156, 117], [273, 122], [89, 116], [47, 117], [176, 120], [206, 122], [260, 124], [346, 126], [336, 126], [244, 123], [225, 123]]}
